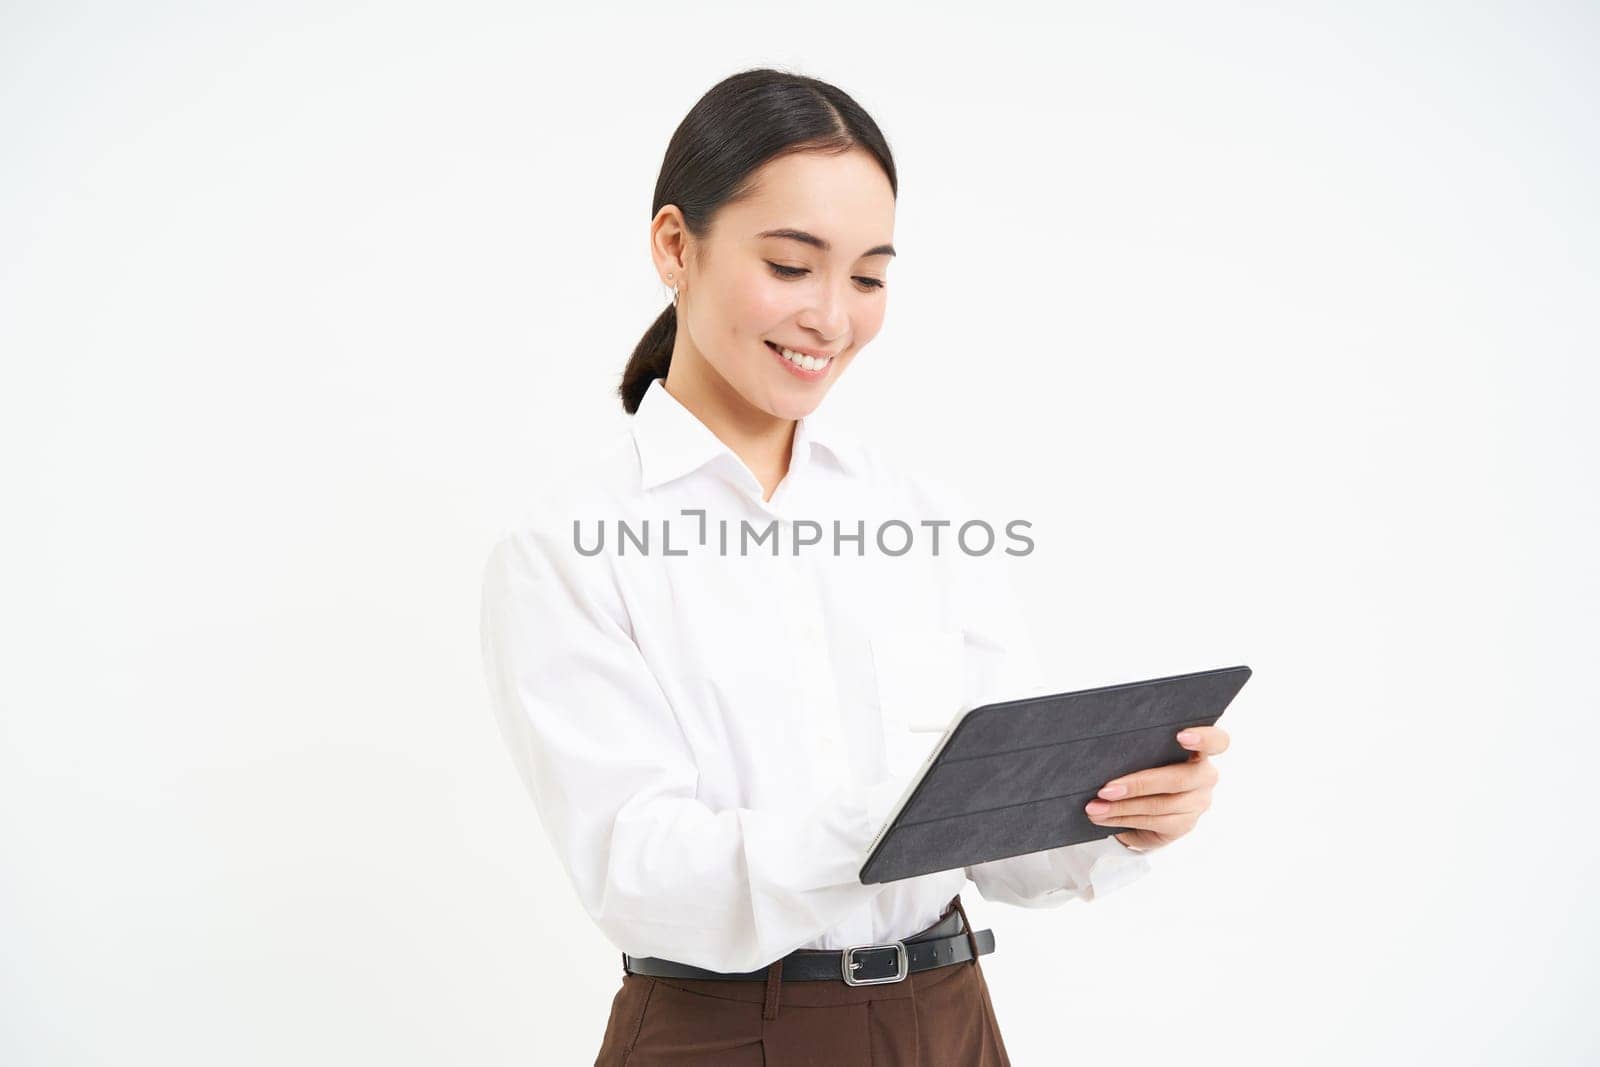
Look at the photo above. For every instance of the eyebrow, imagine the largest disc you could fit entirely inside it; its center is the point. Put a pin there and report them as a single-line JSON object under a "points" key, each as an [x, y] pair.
{"points": [[817, 242]]}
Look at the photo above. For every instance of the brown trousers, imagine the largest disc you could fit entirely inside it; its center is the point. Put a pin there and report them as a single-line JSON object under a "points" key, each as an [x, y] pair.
{"points": [[940, 1017]]}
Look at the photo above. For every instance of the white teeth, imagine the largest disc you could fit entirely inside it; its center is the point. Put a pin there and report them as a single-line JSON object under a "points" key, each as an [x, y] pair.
{"points": [[804, 361]]}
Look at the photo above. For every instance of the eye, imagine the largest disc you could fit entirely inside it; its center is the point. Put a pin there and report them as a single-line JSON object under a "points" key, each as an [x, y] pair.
{"points": [[781, 271]]}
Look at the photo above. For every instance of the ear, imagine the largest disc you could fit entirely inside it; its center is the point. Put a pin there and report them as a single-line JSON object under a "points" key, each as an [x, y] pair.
{"points": [[669, 239]]}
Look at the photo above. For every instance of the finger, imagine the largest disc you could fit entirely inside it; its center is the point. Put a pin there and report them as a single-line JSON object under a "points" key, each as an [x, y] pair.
{"points": [[1209, 740], [1140, 840], [1168, 825], [1109, 811], [1173, 778]]}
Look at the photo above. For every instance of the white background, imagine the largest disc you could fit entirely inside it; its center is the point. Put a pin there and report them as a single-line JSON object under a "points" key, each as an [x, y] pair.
{"points": [[1277, 322]]}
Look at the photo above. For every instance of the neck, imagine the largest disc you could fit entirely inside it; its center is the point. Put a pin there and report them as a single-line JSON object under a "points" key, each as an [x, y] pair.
{"points": [[760, 439]]}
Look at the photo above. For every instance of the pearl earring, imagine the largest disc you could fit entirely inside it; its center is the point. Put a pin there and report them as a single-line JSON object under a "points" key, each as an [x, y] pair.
{"points": [[674, 292]]}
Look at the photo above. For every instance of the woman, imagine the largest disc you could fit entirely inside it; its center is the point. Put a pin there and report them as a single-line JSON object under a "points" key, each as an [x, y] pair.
{"points": [[720, 651]]}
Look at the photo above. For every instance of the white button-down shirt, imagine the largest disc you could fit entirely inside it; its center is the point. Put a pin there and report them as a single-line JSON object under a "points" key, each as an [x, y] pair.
{"points": [[712, 733]]}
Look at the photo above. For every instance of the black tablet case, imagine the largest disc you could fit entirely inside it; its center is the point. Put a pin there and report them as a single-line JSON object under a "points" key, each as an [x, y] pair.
{"points": [[1013, 777]]}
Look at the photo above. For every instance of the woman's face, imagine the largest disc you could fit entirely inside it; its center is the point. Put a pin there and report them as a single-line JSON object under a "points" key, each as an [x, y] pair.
{"points": [[760, 280]]}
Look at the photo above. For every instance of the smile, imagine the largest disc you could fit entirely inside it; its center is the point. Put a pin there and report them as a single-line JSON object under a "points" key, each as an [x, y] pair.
{"points": [[800, 363]]}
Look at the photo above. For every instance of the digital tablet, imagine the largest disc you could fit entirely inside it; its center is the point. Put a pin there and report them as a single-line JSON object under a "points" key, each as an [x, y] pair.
{"points": [[1014, 776]]}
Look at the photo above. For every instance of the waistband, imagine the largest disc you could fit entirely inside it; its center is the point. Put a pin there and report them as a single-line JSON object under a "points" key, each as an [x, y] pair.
{"points": [[948, 941]]}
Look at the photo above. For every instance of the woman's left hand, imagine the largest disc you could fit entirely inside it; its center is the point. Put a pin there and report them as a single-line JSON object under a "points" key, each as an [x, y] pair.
{"points": [[1163, 803]]}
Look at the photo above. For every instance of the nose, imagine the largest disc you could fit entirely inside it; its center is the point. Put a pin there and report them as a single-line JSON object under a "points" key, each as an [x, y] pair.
{"points": [[827, 317]]}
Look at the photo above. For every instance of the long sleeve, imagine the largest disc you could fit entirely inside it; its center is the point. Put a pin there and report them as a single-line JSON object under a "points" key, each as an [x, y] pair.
{"points": [[601, 752], [1003, 664], [1050, 878]]}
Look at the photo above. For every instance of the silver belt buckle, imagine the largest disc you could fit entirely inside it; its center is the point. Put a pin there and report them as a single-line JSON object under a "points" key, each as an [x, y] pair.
{"points": [[849, 965]]}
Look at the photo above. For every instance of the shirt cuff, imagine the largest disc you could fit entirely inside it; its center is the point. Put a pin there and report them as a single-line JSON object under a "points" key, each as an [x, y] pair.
{"points": [[1098, 867]]}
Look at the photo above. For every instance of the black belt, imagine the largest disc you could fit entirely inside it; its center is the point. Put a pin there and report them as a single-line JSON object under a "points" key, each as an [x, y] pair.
{"points": [[940, 945]]}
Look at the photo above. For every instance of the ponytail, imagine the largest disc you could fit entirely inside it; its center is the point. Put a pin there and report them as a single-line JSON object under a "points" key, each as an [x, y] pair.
{"points": [[650, 360]]}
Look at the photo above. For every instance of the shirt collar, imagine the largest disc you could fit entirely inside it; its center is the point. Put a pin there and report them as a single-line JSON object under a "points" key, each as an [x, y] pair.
{"points": [[672, 440]]}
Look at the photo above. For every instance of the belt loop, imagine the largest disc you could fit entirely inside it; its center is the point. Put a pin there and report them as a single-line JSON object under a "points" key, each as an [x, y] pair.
{"points": [[972, 938], [774, 982]]}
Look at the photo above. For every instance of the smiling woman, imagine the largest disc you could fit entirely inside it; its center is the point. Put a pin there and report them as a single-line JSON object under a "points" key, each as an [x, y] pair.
{"points": [[714, 740], [772, 223]]}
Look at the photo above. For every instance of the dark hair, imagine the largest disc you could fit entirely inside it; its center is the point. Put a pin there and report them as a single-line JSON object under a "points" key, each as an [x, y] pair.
{"points": [[739, 125]]}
